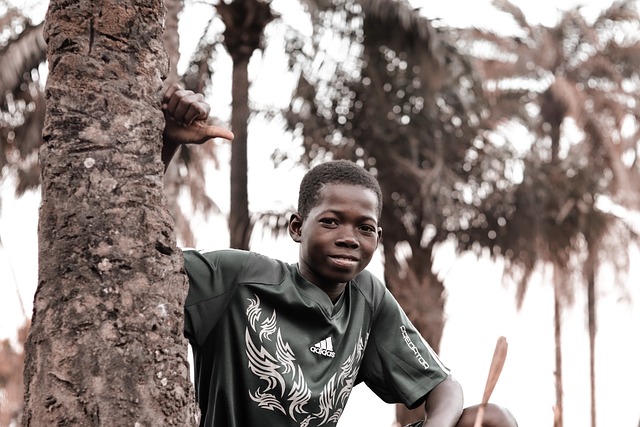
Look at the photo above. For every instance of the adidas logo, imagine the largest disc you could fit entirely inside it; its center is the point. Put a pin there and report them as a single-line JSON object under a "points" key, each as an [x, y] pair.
{"points": [[324, 348]]}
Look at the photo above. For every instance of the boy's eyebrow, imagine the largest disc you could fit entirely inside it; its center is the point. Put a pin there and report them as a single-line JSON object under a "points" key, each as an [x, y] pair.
{"points": [[339, 213]]}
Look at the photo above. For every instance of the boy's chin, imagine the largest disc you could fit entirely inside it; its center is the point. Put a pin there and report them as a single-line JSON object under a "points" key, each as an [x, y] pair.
{"points": [[345, 277]]}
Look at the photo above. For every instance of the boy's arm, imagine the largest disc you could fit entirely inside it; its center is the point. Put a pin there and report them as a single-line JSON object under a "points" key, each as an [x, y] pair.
{"points": [[444, 402], [186, 115], [443, 406]]}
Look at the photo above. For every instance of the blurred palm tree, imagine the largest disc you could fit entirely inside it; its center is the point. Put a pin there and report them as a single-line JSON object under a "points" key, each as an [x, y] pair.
{"points": [[245, 21], [22, 51], [572, 92], [238, 27], [385, 87]]}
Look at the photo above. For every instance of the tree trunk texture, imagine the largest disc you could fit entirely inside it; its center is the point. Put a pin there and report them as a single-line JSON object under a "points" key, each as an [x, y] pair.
{"points": [[106, 345], [421, 295]]}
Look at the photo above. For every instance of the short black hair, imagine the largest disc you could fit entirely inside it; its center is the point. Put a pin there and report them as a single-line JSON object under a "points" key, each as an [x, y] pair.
{"points": [[334, 172]]}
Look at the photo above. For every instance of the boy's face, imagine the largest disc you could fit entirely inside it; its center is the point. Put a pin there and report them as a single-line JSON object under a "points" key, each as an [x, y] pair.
{"points": [[338, 237]]}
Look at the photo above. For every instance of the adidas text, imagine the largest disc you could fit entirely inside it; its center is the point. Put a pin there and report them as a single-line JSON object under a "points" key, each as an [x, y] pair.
{"points": [[324, 348]]}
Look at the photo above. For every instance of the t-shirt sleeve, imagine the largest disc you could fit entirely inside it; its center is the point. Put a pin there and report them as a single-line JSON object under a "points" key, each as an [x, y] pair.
{"points": [[213, 277], [399, 366]]}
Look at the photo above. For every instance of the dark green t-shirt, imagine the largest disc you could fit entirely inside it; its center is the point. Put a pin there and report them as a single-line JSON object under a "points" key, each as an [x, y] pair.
{"points": [[271, 349]]}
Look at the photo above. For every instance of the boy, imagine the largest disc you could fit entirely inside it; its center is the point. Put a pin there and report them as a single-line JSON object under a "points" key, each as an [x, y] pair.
{"points": [[283, 345]]}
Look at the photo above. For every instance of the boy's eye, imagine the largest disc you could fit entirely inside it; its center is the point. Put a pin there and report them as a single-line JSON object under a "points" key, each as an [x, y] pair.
{"points": [[368, 229], [329, 221]]}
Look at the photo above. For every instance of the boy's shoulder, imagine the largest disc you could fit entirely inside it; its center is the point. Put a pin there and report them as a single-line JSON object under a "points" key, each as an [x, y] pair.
{"points": [[261, 268], [372, 288], [252, 266]]}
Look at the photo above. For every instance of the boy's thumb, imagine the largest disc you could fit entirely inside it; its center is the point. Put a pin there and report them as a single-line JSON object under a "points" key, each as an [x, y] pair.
{"points": [[219, 132]]}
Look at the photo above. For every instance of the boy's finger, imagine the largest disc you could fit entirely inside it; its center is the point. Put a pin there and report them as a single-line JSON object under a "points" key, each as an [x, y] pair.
{"points": [[196, 111], [180, 106], [169, 91], [186, 106], [219, 132]]}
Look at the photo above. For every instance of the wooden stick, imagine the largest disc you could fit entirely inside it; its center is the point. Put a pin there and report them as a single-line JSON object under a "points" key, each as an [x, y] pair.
{"points": [[497, 362]]}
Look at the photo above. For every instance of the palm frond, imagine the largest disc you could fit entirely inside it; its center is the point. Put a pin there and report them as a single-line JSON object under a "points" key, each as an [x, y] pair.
{"points": [[21, 55], [274, 224], [513, 10]]}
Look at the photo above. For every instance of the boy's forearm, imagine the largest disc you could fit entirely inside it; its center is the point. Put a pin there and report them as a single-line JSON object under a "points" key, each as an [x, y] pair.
{"points": [[443, 406], [169, 149]]}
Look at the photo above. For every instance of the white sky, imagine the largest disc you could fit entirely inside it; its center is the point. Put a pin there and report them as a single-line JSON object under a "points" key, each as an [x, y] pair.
{"points": [[479, 307]]}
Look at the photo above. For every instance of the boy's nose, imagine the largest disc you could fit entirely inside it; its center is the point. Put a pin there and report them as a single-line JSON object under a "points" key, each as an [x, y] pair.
{"points": [[348, 240]]}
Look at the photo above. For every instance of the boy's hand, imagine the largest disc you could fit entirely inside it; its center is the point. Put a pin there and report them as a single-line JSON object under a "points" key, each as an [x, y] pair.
{"points": [[186, 115], [494, 416]]}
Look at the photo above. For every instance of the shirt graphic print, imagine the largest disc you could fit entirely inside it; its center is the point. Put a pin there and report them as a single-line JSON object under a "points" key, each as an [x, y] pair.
{"points": [[283, 385]]}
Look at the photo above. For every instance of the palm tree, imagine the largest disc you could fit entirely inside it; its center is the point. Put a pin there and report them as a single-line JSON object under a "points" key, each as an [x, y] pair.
{"points": [[106, 337], [577, 75], [454, 178], [245, 21]]}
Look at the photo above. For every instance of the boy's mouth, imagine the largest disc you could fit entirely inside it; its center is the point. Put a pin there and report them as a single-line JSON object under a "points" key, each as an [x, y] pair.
{"points": [[344, 260]]}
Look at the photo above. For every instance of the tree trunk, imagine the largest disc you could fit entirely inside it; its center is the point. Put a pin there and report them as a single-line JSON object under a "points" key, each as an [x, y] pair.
{"points": [[557, 321], [591, 313], [245, 21], [239, 221], [106, 344], [421, 295]]}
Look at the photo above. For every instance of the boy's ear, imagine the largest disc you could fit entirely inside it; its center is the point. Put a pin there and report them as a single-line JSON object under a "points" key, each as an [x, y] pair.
{"points": [[295, 227]]}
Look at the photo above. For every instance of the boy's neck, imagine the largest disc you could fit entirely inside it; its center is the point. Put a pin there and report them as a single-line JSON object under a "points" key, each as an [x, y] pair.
{"points": [[334, 292]]}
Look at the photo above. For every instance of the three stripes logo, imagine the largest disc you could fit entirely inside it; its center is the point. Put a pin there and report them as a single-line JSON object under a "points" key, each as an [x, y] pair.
{"points": [[324, 348]]}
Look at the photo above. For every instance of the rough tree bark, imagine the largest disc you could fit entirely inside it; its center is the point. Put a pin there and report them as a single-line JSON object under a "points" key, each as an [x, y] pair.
{"points": [[106, 345]]}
